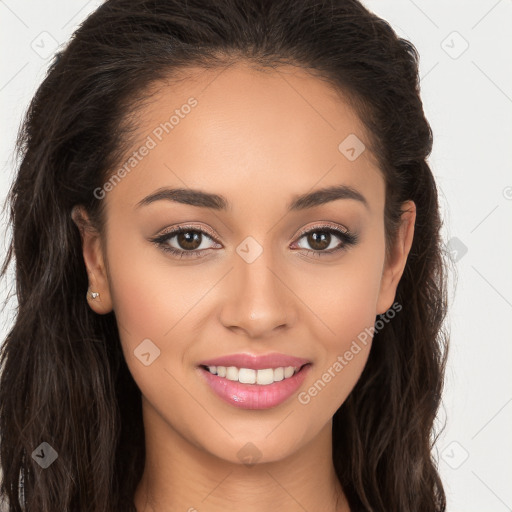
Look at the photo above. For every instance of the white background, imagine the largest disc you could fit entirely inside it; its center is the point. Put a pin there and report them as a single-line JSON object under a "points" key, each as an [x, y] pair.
{"points": [[467, 94]]}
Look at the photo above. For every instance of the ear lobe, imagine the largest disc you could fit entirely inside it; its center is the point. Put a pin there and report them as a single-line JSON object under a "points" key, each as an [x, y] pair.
{"points": [[395, 262], [94, 262]]}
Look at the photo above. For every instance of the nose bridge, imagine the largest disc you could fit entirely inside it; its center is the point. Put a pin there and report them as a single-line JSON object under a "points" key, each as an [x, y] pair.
{"points": [[257, 300]]}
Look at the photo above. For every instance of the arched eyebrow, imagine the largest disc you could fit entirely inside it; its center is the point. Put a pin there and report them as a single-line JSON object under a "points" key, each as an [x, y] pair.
{"points": [[218, 202]]}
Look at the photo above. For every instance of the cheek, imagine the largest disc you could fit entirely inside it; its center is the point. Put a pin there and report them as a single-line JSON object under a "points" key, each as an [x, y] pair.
{"points": [[342, 348], [157, 300], [344, 312], [152, 296], [154, 305], [343, 298]]}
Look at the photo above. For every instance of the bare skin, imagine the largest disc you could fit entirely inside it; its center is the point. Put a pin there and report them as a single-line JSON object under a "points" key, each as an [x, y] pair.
{"points": [[260, 140]]}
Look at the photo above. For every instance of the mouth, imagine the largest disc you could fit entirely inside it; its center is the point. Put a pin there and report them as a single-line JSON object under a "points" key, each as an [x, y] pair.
{"points": [[261, 377], [254, 388]]}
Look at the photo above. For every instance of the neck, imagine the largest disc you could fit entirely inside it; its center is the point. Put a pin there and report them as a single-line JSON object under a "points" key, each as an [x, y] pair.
{"points": [[180, 476]]}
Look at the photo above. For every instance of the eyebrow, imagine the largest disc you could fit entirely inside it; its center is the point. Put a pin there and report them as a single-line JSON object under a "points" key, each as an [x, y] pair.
{"points": [[218, 202]]}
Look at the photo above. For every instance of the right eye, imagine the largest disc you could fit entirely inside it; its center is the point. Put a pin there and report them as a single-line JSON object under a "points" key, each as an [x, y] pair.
{"points": [[183, 242]]}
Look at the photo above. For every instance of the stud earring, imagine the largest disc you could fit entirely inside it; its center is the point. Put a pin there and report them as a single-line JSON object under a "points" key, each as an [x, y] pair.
{"points": [[92, 295]]}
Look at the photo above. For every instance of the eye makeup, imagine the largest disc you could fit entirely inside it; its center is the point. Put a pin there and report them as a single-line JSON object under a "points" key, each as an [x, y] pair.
{"points": [[192, 235]]}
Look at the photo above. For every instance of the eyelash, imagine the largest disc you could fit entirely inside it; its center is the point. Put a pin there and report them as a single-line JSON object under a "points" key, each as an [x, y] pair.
{"points": [[162, 240]]}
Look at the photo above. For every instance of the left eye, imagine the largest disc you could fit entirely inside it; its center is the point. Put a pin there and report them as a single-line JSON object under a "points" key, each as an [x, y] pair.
{"points": [[321, 240]]}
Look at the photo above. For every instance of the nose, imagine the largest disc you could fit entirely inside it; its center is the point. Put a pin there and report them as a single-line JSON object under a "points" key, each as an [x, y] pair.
{"points": [[258, 299]]}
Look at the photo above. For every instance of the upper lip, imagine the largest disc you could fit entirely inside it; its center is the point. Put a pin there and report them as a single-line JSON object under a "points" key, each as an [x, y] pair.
{"points": [[256, 362]]}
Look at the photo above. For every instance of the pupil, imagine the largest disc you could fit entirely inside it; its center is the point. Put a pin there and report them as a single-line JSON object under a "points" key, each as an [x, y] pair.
{"points": [[188, 240], [319, 242]]}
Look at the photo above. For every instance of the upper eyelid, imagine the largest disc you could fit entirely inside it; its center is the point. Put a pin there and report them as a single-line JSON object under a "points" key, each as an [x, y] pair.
{"points": [[334, 227], [300, 233]]}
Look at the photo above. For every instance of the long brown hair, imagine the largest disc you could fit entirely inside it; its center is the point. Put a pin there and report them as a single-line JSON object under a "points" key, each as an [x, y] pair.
{"points": [[64, 380]]}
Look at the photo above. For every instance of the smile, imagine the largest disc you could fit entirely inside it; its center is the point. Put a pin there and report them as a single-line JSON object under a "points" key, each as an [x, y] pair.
{"points": [[249, 388], [250, 376]]}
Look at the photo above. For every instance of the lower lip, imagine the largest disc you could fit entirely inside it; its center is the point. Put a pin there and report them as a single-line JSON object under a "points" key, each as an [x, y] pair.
{"points": [[255, 396]]}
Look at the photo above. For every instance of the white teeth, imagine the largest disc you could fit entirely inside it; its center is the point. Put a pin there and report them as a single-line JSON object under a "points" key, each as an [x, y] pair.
{"points": [[289, 371], [278, 374], [251, 376], [265, 376], [246, 376], [232, 373]]}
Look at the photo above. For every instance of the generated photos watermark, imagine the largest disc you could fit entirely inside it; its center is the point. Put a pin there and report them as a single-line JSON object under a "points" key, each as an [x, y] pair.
{"points": [[149, 144], [342, 361]]}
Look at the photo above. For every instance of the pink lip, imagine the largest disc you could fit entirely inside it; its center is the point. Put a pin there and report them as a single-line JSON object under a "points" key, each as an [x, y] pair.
{"points": [[254, 396], [256, 362]]}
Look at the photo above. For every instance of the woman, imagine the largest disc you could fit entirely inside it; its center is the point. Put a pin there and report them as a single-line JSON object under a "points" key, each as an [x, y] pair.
{"points": [[228, 267]]}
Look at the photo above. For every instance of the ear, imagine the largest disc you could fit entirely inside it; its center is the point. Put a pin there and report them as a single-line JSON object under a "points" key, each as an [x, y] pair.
{"points": [[94, 262], [397, 257]]}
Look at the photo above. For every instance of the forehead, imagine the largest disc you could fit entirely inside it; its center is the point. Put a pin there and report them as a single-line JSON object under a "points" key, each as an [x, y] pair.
{"points": [[272, 130]]}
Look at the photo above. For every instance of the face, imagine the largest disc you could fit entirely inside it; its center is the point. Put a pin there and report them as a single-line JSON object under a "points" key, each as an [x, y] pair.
{"points": [[259, 278]]}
